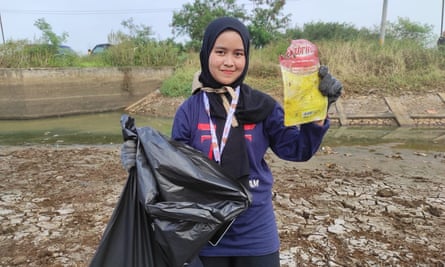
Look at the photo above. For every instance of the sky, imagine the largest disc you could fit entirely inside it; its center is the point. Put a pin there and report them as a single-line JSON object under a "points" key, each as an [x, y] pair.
{"points": [[88, 22]]}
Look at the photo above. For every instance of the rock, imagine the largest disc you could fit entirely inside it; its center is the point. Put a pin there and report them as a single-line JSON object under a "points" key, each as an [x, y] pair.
{"points": [[386, 192]]}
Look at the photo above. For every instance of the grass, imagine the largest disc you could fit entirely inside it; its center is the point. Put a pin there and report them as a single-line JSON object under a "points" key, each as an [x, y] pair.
{"points": [[363, 66], [393, 69]]}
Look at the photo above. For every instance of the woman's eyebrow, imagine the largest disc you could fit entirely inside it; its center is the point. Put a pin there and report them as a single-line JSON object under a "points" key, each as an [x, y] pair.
{"points": [[225, 47]]}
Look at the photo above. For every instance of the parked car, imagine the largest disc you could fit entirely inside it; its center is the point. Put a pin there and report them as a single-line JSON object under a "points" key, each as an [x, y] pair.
{"points": [[65, 50], [99, 48], [48, 49]]}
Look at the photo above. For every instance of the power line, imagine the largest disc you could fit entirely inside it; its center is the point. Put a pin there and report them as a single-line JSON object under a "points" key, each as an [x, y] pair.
{"points": [[98, 12], [89, 12]]}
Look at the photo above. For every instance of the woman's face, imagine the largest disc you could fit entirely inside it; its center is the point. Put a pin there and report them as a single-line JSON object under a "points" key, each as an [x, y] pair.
{"points": [[227, 58]]}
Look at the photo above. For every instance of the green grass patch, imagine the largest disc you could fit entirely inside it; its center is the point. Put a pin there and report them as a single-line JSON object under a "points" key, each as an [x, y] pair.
{"points": [[363, 65]]}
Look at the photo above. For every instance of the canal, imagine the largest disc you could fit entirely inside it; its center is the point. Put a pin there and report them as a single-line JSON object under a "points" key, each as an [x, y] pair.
{"points": [[104, 128]]}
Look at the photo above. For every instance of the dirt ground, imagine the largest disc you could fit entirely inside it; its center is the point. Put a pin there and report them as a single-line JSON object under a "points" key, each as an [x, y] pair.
{"points": [[369, 206], [348, 206]]}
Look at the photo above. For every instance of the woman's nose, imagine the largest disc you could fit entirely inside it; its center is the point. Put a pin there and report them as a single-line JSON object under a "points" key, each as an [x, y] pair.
{"points": [[228, 61]]}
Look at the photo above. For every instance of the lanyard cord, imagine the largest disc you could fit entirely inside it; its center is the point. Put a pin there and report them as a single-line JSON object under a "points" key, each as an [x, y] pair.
{"points": [[217, 151]]}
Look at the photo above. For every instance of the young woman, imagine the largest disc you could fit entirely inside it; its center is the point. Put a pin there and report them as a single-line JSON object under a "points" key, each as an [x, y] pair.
{"points": [[235, 125]]}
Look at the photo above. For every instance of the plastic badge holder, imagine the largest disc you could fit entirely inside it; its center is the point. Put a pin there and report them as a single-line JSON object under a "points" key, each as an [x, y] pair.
{"points": [[303, 102], [214, 241]]}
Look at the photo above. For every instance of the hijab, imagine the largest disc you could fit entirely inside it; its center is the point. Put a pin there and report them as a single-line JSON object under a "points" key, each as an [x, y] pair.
{"points": [[213, 30], [253, 106]]}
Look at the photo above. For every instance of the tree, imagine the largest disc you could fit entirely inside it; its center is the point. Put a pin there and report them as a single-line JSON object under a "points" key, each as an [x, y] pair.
{"points": [[267, 21], [138, 34], [317, 31], [49, 37], [264, 22], [405, 29], [192, 19]]}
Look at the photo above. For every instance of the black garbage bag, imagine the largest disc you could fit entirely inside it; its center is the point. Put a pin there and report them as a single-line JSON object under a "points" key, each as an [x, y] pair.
{"points": [[174, 202], [127, 237]]}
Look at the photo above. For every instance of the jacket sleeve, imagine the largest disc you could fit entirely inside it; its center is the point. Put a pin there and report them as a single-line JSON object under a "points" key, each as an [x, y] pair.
{"points": [[181, 130], [293, 143]]}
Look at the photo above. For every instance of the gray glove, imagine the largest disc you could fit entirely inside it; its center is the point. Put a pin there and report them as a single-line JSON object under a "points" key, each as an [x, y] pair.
{"points": [[128, 154], [329, 86]]}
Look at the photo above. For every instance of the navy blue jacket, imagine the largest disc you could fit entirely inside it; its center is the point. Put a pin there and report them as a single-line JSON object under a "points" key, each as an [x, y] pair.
{"points": [[254, 232]]}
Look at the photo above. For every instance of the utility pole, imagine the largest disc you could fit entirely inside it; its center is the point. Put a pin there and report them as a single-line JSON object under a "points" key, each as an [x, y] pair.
{"points": [[383, 24], [441, 22], [1, 26]]}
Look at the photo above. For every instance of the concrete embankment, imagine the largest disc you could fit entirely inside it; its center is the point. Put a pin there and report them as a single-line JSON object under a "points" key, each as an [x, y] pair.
{"points": [[49, 92], [408, 111]]}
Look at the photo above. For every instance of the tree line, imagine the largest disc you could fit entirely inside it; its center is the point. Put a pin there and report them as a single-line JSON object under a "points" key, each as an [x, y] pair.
{"points": [[267, 23]]}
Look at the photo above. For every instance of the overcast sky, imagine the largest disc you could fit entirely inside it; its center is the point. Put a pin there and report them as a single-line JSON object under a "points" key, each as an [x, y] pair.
{"points": [[89, 22]]}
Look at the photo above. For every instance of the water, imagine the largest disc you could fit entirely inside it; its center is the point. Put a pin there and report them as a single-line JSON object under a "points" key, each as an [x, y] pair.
{"points": [[428, 139], [101, 128], [104, 128]]}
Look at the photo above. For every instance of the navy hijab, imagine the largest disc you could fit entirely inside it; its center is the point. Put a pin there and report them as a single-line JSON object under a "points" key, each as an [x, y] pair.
{"points": [[213, 30], [253, 105]]}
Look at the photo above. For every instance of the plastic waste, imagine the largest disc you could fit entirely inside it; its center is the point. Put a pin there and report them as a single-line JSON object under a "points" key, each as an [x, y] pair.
{"points": [[174, 202], [303, 102]]}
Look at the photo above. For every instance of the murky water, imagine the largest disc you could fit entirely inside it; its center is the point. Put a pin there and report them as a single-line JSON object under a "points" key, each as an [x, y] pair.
{"points": [[432, 139], [104, 128]]}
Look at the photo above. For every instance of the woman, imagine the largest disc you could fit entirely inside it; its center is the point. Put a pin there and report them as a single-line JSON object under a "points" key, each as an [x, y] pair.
{"points": [[235, 125]]}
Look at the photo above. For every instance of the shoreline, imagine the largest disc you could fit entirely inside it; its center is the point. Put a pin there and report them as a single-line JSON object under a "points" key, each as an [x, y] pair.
{"points": [[410, 110]]}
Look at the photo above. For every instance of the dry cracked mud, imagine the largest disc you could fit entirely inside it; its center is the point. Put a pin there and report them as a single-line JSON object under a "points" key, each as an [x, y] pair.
{"points": [[347, 206]]}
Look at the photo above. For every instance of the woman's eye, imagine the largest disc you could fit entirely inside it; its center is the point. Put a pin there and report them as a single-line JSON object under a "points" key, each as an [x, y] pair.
{"points": [[239, 54], [219, 52]]}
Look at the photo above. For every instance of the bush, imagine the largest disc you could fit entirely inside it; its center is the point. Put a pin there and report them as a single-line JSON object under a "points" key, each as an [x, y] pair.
{"points": [[20, 54], [180, 83], [353, 56]]}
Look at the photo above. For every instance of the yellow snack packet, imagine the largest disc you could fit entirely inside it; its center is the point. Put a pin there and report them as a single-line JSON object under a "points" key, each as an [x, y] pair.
{"points": [[303, 102]]}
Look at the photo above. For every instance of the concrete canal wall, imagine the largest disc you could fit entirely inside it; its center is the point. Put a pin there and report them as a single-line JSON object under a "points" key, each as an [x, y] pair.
{"points": [[49, 92]]}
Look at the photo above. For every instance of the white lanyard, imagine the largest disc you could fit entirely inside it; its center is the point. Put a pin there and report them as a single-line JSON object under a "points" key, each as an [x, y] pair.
{"points": [[217, 151]]}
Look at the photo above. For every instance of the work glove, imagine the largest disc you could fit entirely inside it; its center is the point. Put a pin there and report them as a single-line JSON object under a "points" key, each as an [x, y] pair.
{"points": [[329, 86], [128, 154]]}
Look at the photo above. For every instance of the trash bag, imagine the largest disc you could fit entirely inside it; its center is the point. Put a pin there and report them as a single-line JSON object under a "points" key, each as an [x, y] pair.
{"points": [[127, 234], [174, 202]]}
